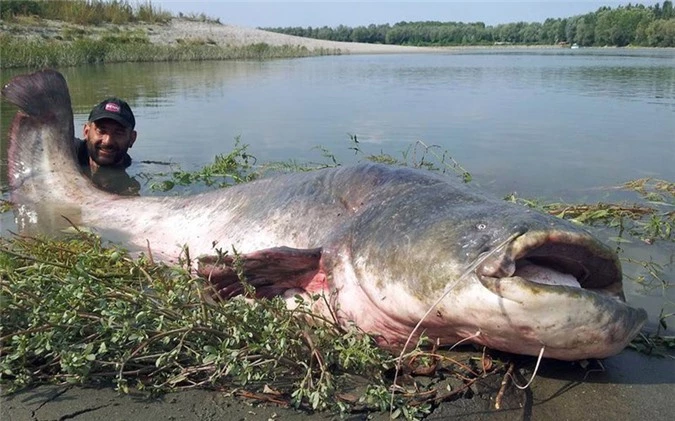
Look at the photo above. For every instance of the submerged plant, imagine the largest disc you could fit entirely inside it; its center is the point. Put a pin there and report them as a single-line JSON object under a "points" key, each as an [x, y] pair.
{"points": [[5, 205], [235, 167], [417, 155], [646, 221]]}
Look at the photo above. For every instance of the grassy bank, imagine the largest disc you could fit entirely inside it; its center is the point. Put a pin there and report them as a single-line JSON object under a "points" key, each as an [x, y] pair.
{"points": [[37, 34], [37, 53]]}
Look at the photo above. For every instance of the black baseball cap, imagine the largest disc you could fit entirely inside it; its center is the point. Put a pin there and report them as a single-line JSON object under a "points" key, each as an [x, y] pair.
{"points": [[114, 109]]}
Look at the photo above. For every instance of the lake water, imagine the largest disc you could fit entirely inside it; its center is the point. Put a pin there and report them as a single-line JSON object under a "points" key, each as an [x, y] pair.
{"points": [[565, 125]]}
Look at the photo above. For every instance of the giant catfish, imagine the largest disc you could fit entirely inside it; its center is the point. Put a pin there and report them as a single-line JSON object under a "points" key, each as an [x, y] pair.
{"points": [[382, 244]]}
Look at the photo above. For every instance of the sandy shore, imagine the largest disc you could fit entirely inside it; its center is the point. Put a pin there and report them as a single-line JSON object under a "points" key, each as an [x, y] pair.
{"points": [[237, 35], [631, 387], [182, 30]]}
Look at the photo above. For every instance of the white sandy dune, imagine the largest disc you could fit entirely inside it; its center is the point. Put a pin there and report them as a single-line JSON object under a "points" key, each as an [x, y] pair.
{"points": [[223, 34]]}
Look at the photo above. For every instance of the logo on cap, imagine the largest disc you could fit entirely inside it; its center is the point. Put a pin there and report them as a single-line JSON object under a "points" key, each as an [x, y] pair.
{"points": [[112, 107]]}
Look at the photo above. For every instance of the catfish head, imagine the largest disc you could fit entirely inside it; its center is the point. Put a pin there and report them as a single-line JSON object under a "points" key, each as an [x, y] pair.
{"points": [[474, 267]]}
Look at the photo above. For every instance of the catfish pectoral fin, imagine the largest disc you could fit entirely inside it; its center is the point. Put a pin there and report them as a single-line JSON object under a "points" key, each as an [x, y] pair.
{"points": [[270, 271]]}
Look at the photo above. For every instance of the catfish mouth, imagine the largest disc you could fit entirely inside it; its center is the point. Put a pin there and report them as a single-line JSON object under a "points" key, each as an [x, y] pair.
{"points": [[558, 258]]}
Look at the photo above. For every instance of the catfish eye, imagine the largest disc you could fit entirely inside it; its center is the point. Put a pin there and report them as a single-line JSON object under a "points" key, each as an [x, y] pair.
{"points": [[481, 226]]}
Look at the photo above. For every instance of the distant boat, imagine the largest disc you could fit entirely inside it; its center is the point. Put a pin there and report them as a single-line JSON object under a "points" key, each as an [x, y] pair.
{"points": [[574, 46]]}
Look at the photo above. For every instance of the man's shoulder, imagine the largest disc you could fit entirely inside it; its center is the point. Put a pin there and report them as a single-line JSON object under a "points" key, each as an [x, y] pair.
{"points": [[82, 153], [127, 161]]}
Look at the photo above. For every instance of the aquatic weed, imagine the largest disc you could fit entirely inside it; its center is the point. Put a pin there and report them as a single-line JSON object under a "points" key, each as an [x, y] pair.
{"points": [[5, 205], [648, 221], [417, 155], [235, 167]]}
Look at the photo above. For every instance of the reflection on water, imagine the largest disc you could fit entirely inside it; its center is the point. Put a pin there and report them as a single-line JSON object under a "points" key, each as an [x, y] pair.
{"points": [[560, 124]]}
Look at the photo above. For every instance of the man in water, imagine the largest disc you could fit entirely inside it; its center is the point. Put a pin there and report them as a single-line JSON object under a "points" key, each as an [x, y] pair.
{"points": [[108, 135]]}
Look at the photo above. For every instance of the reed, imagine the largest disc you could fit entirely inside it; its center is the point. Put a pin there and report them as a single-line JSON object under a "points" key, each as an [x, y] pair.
{"points": [[87, 12], [39, 53]]}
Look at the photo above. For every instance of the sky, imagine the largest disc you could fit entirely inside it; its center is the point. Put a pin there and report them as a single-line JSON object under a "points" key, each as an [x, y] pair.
{"points": [[355, 13]]}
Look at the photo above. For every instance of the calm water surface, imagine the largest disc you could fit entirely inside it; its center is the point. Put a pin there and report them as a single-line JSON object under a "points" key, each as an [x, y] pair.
{"points": [[559, 124]]}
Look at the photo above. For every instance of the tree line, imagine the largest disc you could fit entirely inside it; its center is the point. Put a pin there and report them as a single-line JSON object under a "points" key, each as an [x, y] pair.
{"points": [[636, 25]]}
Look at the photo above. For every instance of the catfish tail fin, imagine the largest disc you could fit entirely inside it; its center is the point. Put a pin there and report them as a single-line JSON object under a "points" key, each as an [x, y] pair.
{"points": [[41, 137], [42, 95]]}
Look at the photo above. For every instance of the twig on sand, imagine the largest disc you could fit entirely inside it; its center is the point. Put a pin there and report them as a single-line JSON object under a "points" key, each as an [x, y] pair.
{"points": [[503, 386]]}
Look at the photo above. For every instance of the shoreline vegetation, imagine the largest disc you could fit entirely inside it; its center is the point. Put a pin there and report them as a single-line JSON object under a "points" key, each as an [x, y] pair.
{"points": [[633, 25], [36, 34], [18, 53]]}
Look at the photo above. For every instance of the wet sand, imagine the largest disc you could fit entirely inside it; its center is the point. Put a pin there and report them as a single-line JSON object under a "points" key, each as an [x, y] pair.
{"points": [[632, 387]]}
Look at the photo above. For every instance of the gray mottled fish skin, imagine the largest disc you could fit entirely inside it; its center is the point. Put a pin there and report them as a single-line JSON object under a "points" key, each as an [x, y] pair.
{"points": [[382, 243]]}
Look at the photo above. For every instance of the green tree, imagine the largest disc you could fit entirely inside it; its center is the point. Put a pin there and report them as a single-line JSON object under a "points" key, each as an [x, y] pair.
{"points": [[360, 34], [585, 34], [667, 10], [661, 33], [531, 33], [630, 24], [618, 27], [571, 28], [550, 31]]}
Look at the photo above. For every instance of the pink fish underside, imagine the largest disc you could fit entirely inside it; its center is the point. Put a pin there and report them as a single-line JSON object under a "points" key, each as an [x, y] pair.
{"points": [[271, 272]]}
